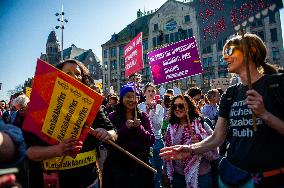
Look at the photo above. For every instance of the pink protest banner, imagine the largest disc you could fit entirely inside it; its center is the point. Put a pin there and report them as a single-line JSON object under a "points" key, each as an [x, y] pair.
{"points": [[133, 54], [60, 106], [174, 62]]}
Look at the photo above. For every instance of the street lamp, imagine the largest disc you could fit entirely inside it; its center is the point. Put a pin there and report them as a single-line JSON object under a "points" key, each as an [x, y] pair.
{"points": [[62, 20]]}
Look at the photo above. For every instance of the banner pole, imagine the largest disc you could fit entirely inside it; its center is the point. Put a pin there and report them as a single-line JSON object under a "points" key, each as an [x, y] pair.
{"points": [[135, 98], [92, 132], [245, 50]]}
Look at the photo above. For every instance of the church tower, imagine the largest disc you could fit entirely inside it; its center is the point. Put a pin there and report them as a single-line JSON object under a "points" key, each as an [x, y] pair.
{"points": [[53, 49]]}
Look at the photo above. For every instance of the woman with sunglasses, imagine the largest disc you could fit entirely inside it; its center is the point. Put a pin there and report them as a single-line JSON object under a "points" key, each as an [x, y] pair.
{"points": [[194, 170], [258, 153], [80, 176]]}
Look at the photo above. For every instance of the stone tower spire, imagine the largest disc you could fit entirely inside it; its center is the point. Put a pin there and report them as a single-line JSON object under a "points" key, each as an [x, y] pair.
{"points": [[53, 48]]}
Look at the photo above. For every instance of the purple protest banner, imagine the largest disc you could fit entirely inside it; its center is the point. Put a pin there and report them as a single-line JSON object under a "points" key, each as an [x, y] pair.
{"points": [[175, 61]]}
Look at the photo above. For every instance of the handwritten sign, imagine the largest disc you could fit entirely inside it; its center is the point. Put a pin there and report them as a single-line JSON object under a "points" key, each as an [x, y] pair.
{"points": [[28, 92], [222, 83], [218, 19], [60, 106], [133, 54], [99, 83], [174, 62], [77, 106]]}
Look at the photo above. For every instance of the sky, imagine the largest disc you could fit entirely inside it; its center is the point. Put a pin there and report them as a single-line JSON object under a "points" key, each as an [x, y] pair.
{"points": [[26, 24]]}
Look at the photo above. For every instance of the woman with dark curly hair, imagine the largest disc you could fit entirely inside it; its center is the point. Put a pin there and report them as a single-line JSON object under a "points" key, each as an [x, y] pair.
{"points": [[195, 170], [39, 152], [75, 69]]}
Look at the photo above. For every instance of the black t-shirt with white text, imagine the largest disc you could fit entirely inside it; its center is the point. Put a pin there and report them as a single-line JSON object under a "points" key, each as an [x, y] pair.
{"points": [[253, 151]]}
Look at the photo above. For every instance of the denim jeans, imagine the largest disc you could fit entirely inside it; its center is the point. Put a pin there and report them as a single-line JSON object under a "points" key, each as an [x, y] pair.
{"points": [[157, 162], [248, 184]]}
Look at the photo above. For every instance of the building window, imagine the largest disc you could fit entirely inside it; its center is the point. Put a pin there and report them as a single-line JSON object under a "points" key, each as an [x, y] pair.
{"points": [[176, 36], [94, 69], [158, 41], [204, 62], [273, 33], [145, 56], [186, 35], [190, 33], [167, 38], [145, 44], [154, 42], [113, 64], [155, 27], [106, 80], [113, 52], [105, 65], [105, 53], [260, 34], [186, 18], [220, 44], [121, 50], [172, 39], [147, 72], [209, 61], [223, 74], [275, 53], [259, 23], [272, 18], [122, 75], [207, 50], [122, 63]]}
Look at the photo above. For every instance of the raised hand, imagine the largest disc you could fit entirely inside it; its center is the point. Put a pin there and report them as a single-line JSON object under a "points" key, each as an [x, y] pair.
{"points": [[133, 123], [137, 122], [255, 102]]}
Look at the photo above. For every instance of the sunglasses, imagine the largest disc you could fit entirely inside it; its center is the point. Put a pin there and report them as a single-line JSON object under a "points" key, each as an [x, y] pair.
{"points": [[151, 91], [230, 50], [178, 106]]}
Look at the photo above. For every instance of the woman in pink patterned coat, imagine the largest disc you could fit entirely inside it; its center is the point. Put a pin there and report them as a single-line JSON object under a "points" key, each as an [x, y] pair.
{"points": [[193, 171]]}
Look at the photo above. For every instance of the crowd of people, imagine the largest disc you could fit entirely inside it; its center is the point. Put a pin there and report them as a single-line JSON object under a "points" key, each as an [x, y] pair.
{"points": [[191, 139]]}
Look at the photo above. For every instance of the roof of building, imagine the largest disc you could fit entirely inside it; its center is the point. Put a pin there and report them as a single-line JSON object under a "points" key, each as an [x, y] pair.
{"points": [[81, 57], [126, 34], [72, 52]]}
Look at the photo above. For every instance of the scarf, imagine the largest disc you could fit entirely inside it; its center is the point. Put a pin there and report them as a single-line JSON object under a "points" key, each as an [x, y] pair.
{"points": [[191, 170]]}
